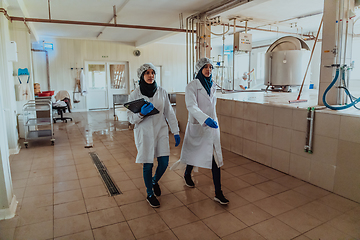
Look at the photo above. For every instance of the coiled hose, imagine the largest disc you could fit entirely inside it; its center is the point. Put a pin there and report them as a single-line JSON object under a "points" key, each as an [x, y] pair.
{"points": [[353, 100]]}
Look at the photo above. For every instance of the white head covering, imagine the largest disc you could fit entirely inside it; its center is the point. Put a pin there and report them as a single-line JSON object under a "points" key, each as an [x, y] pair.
{"points": [[202, 62], [145, 67]]}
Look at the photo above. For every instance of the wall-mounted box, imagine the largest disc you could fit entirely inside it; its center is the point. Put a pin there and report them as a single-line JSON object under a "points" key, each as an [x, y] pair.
{"points": [[242, 41], [12, 52]]}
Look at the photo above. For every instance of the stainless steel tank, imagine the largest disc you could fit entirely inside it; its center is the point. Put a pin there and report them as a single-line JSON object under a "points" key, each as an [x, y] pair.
{"points": [[286, 61]]}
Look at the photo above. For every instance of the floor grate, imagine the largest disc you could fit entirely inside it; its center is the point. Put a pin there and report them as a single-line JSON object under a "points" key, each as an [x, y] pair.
{"points": [[112, 188]]}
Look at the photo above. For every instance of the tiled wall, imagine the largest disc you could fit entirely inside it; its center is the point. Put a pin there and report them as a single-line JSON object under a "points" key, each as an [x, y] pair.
{"points": [[275, 136]]}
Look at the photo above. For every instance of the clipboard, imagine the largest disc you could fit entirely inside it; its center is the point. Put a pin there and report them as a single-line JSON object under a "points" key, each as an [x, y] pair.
{"points": [[135, 106]]}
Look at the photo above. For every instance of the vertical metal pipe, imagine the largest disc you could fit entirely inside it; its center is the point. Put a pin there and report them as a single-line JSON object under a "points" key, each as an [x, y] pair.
{"points": [[223, 62], [249, 70], [193, 49], [114, 8], [49, 12], [47, 70], [233, 71], [187, 51]]}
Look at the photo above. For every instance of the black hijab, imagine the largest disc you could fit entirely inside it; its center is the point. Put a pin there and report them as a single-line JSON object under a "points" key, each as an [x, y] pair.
{"points": [[205, 81], [145, 88]]}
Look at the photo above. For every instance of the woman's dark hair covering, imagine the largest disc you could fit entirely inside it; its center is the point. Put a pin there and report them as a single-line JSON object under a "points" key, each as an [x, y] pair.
{"points": [[146, 89], [205, 81]]}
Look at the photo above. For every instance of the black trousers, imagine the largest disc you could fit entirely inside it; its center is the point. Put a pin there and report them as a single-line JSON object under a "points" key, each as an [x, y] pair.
{"points": [[215, 173]]}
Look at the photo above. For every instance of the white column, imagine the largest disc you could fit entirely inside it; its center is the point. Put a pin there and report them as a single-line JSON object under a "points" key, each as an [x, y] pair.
{"points": [[336, 13], [7, 90], [8, 201]]}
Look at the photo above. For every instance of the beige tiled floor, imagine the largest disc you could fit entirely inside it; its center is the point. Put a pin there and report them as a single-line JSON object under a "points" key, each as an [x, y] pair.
{"points": [[61, 195]]}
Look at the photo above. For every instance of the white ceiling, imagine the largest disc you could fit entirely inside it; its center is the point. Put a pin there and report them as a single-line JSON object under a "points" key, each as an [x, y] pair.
{"points": [[266, 14]]}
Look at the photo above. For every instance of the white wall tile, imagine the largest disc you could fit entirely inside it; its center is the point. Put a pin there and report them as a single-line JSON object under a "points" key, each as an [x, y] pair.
{"points": [[225, 107], [264, 133], [327, 124], [265, 114], [298, 140], [280, 160], [249, 130], [238, 109], [237, 127], [237, 145], [249, 149], [282, 138], [283, 117], [350, 129], [348, 156], [322, 175], [263, 154], [324, 150], [225, 124], [299, 121], [300, 167], [250, 111], [225, 140]]}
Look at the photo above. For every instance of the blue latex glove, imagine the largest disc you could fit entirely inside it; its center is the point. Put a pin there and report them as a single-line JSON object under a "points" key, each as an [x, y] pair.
{"points": [[211, 123], [146, 108], [177, 140]]}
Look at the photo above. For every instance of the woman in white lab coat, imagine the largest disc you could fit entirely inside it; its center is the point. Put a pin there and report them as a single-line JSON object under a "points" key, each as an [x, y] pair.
{"points": [[151, 132], [201, 146]]}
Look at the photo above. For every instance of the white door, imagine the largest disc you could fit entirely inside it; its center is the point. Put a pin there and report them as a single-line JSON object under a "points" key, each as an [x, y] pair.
{"points": [[119, 80], [97, 97]]}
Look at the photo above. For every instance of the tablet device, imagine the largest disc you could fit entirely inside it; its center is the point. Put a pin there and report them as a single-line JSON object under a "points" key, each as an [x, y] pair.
{"points": [[135, 106]]}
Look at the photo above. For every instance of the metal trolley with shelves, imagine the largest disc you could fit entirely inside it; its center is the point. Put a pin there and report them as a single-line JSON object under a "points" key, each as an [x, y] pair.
{"points": [[38, 120]]}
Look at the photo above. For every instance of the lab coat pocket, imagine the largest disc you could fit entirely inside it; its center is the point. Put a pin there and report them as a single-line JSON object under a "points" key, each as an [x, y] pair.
{"points": [[196, 131]]}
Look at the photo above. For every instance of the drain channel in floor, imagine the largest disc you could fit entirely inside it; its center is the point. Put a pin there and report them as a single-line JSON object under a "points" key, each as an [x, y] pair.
{"points": [[112, 188]]}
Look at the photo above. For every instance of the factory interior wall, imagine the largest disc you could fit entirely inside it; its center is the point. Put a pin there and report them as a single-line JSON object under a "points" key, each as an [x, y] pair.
{"points": [[72, 53]]}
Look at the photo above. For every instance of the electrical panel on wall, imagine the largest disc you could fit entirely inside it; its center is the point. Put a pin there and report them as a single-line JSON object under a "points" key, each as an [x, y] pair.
{"points": [[242, 41]]}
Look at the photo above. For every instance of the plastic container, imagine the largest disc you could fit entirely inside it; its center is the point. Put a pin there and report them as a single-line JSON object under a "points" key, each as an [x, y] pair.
{"points": [[51, 92], [44, 94]]}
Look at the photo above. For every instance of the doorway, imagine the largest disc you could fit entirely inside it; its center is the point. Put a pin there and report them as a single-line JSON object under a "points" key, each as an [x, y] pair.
{"points": [[104, 80]]}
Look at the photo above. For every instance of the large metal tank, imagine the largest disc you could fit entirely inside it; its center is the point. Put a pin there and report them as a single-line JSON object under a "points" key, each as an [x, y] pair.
{"points": [[285, 62]]}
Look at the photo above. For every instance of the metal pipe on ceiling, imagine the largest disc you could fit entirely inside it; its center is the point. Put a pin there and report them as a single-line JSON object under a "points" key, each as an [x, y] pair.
{"points": [[289, 19], [39, 20], [5, 13], [114, 16], [268, 30]]}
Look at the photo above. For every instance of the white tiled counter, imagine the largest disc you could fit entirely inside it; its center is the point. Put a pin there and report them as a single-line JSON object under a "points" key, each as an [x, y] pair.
{"points": [[267, 129]]}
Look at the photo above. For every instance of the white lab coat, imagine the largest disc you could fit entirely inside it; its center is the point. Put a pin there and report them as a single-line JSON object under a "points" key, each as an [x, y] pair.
{"points": [[151, 133], [201, 142]]}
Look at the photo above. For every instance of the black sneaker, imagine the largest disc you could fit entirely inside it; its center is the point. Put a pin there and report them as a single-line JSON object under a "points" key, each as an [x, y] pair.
{"points": [[152, 200], [157, 190], [188, 181], [219, 197]]}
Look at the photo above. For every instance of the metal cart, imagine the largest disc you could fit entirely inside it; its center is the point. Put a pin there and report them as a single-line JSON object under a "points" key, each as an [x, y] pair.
{"points": [[38, 120], [118, 101]]}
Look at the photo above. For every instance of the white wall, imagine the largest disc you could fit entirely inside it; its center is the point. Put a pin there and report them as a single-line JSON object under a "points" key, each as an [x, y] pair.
{"points": [[69, 53], [21, 36]]}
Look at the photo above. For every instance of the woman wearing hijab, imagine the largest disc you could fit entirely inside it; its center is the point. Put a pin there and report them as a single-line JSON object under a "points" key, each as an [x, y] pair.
{"points": [[151, 132], [201, 146]]}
